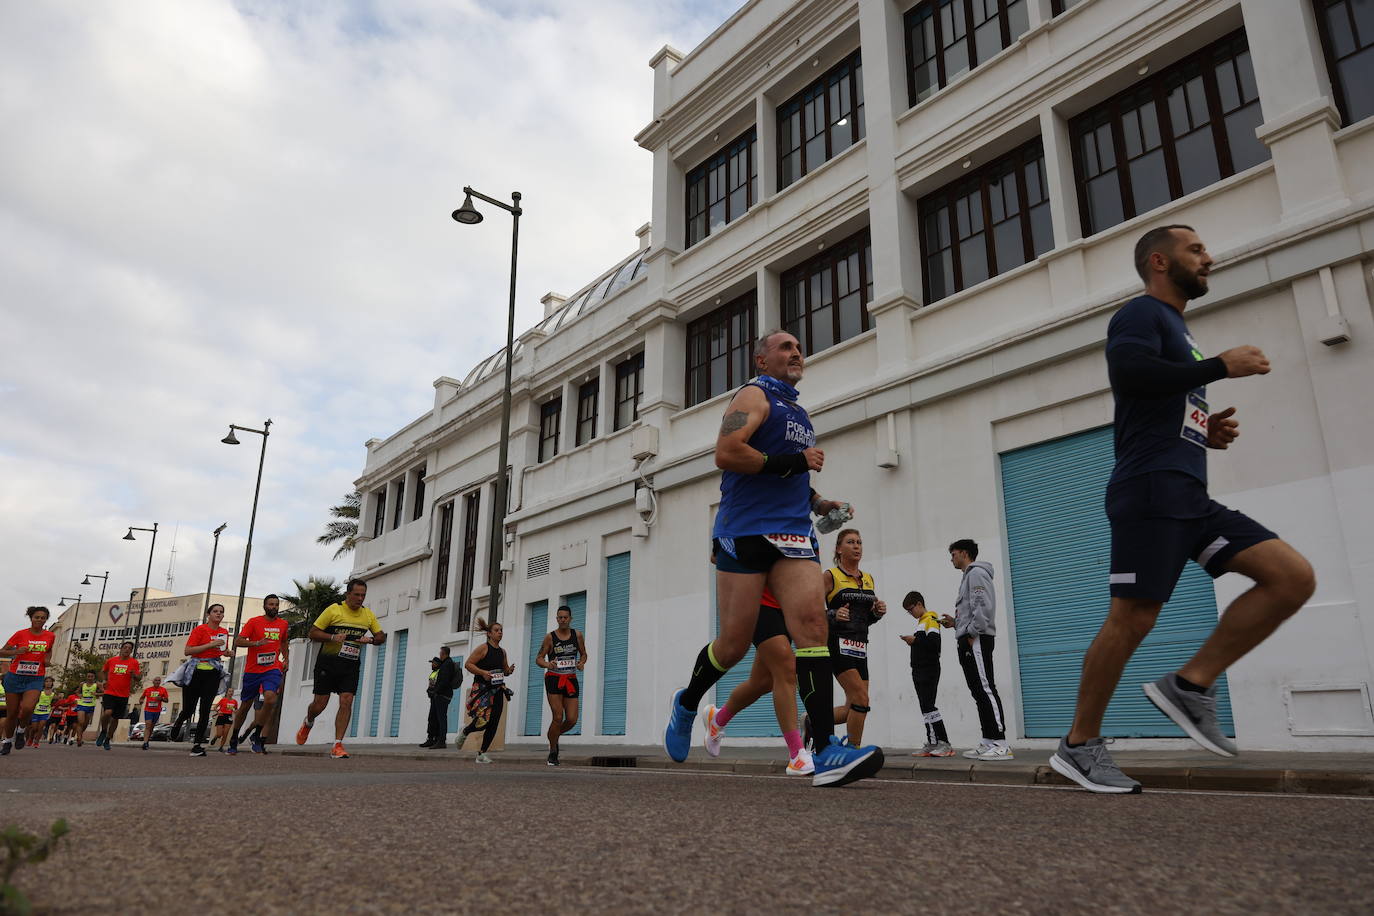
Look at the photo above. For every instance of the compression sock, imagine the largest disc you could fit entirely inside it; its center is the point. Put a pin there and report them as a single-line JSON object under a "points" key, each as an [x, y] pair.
{"points": [[705, 673], [815, 681], [1187, 685], [723, 716], [794, 742]]}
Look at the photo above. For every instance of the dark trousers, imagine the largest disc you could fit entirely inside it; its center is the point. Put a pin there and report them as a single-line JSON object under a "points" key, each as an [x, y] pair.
{"points": [[926, 680], [438, 717], [976, 660], [202, 689], [498, 703]]}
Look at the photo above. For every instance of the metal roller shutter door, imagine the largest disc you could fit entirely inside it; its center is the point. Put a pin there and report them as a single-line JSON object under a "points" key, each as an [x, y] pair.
{"points": [[615, 646]]}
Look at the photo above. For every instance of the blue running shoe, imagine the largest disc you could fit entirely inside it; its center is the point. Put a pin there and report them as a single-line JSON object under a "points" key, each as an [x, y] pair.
{"points": [[839, 764], [677, 738], [258, 746]]}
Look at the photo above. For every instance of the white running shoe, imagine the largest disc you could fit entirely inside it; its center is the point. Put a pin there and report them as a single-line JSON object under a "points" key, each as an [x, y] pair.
{"points": [[802, 764], [482, 758], [976, 753], [710, 739], [996, 752]]}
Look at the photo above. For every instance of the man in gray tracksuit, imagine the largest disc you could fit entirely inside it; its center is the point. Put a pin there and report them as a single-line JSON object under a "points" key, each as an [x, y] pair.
{"points": [[974, 635]]}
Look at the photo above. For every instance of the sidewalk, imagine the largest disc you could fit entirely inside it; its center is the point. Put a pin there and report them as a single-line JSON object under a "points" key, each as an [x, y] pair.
{"points": [[1253, 771]]}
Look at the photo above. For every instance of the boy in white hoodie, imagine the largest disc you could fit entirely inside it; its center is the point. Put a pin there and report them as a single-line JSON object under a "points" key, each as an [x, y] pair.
{"points": [[974, 635]]}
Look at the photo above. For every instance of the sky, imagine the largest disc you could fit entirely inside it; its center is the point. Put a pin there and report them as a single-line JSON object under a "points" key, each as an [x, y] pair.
{"points": [[216, 213]]}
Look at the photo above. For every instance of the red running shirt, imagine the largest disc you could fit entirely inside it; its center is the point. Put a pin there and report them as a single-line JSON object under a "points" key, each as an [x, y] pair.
{"points": [[153, 698], [119, 676], [266, 657], [34, 660], [203, 634], [226, 706]]}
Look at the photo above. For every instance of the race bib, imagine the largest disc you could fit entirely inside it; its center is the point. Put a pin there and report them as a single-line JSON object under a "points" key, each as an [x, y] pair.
{"points": [[795, 546], [854, 648], [497, 679], [26, 667], [564, 663], [268, 658], [1195, 420], [348, 650]]}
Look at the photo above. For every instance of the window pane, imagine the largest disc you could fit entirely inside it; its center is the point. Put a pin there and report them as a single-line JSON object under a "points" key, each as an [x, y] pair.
{"points": [[1008, 245], [1042, 228], [1356, 74], [987, 29], [1018, 18], [1338, 27], [953, 38], [1197, 162], [1246, 149], [851, 315], [1104, 201], [923, 49], [1150, 181]]}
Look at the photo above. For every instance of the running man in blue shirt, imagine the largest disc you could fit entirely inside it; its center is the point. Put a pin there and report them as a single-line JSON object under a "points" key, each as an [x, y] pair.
{"points": [[1161, 515], [764, 537]]}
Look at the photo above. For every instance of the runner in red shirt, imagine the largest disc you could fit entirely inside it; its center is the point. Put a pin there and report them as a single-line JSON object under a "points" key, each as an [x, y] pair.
{"points": [[152, 700], [205, 646], [268, 658], [120, 673], [70, 717], [29, 650], [224, 716]]}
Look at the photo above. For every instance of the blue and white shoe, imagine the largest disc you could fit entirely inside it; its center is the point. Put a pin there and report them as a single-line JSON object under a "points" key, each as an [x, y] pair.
{"points": [[677, 737], [839, 764], [257, 745]]}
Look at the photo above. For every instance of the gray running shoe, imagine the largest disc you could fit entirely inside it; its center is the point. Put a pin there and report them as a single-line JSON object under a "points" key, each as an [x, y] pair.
{"points": [[925, 750], [1195, 713], [1092, 768]]}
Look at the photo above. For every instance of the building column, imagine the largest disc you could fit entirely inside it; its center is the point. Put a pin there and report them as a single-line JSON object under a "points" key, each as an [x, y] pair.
{"points": [[1068, 278], [766, 147], [769, 297]]}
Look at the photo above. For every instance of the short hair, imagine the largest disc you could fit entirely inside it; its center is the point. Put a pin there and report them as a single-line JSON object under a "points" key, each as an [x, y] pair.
{"points": [[912, 599], [761, 345], [563, 607], [127, 642], [1160, 239], [352, 582], [444, 651], [270, 597], [968, 546]]}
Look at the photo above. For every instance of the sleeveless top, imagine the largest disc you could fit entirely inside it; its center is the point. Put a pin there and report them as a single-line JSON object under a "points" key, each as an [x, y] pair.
{"points": [[88, 694], [564, 654], [494, 661], [766, 503], [44, 704], [858, 593]]}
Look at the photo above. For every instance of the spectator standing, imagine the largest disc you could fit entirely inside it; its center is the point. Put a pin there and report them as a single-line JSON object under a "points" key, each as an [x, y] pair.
{"points": [[444, 681], [975, 633], [925, 674]]}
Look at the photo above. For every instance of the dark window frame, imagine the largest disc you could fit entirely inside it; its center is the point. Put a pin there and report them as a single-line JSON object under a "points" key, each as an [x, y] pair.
{"points": [[550, 427], [827, 264], [699, 333], [1111, 113], [588, 399], [445, 548], [1333, 71], [699, 182], [1016, 162], [1058, 8], [932, 9], [467, 570], [398, 511], [796, 106], [629, 389], [418, 503], [379, 512]]}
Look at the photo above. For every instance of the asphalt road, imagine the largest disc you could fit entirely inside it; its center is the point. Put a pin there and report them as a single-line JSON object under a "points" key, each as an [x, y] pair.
{"points": [[276, 834]]}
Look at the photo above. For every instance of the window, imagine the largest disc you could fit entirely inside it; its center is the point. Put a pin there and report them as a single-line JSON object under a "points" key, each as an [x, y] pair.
{"points": [[719, 346], [445, 548], [944, 38], [379, 512], [822, 121], [467, 572], [550, 419], [419, 507], [587, 397], [722, 188], [1060, 6], [986, 223], [1168, 135], [824, 301], [399, 512], [629, 390], [1347, 33]]}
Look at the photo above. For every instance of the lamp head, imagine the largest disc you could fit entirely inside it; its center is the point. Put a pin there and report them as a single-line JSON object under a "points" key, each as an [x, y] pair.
{"points": [[230, 439], [467, 213], [86, 580], [130, 535], [62, 602]]}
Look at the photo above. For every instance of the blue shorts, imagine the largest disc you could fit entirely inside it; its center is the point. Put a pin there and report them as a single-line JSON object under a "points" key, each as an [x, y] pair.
{"points": [[22, 683], [1163, 519], [151, 716], [38, 720], [262, 680]]}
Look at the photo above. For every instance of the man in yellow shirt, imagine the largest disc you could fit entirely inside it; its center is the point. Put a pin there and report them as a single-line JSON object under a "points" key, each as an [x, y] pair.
{"points": [[344, 629]]}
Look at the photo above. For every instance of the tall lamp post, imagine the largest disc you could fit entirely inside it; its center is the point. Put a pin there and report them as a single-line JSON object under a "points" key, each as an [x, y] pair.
{"points": [[214, 553], [468, 215], [86, 580], [143, 601], [231, 439], [76, 609]]}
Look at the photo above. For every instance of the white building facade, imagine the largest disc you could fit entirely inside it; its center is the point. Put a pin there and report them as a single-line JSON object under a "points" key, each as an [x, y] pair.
{"points": [[940, 198]]}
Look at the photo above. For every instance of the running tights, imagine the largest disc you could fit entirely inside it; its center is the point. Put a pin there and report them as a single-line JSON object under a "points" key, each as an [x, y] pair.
{"points": [[498, 703], [201, 691]]}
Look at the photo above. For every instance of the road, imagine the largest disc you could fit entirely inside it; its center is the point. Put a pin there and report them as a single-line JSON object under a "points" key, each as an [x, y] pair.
{"points": [[282, 834]]}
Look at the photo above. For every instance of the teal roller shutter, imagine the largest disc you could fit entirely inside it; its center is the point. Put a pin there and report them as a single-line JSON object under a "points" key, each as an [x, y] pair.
{"points": [[378, 670], [357, 704], [456, 705], [577, 603], [1060, 556], [534, 675], [615, 645], [398, 671]]}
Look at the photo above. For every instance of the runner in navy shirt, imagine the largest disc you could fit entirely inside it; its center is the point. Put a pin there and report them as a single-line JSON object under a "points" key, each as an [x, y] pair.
{"points": [[1161, 514]]}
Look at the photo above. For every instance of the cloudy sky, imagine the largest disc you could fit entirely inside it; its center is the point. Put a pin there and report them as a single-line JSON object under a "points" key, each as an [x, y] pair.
{"points": [[216, 212]]}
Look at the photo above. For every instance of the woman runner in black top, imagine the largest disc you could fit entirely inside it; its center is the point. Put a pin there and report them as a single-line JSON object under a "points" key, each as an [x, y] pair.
{"points": [[487, 698], [563, 653], [852, 606]]}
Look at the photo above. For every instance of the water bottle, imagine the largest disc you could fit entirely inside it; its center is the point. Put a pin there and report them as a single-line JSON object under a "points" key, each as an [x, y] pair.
{"points": [[835, 518]]}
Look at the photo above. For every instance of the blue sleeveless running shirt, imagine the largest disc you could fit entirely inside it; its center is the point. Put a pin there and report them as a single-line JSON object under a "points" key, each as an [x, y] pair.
{"points": [[767, 503]]}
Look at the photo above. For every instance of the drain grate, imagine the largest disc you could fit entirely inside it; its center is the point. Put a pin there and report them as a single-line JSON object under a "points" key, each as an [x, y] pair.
{"points": [[615, 761]]}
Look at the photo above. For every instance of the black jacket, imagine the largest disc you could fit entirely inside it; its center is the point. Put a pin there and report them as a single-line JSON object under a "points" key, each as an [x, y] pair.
{"points": [[450, 678]]}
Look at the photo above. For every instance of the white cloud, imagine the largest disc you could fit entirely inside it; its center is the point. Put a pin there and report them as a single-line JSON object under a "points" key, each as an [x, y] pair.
{"points": [[216, 212]]}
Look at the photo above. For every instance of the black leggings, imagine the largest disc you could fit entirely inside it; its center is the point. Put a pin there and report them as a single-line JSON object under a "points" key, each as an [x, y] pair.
{"points": [[926, 680], [202, 689], [498, 702]]}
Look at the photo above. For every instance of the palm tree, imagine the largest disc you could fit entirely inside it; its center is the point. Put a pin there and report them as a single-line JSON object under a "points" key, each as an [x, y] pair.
{"points": [[344, 528], [311, 598]]}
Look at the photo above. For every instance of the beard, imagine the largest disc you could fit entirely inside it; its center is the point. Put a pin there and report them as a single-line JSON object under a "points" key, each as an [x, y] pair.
{"points": [[1191, 285]]}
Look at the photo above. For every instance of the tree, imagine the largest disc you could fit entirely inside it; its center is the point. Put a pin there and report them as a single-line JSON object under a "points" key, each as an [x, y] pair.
{"points": [[68, 679], [343, 530], [311, 598]]}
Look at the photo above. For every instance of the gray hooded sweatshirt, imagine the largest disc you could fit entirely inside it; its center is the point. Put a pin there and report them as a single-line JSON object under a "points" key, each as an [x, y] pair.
{"points": [[977, 602]]}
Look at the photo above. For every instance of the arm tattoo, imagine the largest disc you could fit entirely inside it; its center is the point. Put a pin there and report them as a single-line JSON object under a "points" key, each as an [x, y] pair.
{"points": [[733, 421]]}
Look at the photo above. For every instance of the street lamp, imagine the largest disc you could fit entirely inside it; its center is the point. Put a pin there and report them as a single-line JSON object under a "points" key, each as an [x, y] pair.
{"points": [[214, 553], [76, 612], [468, 215], [231, 439], [143, 601], [86, 580]]}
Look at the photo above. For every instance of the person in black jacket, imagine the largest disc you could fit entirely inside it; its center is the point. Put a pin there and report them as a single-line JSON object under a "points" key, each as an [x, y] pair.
{"points": [[444, 679]]}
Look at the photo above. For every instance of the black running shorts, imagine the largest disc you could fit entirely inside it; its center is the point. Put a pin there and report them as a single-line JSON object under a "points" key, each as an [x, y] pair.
{"points": [[841, 661], [118, 705], [769, 624], [333, 675]]}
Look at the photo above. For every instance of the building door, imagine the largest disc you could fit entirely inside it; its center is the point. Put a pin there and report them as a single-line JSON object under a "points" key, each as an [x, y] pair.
{"points": [[398, 674], [615, 645], [1059, 545], [538, 621]]}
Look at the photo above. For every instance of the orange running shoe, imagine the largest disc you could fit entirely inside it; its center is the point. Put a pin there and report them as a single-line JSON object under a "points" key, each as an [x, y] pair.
{"points": [[303, 733], [338, 753]]}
